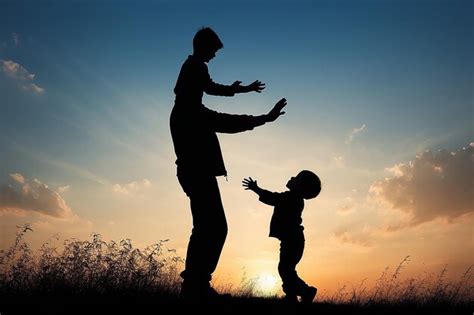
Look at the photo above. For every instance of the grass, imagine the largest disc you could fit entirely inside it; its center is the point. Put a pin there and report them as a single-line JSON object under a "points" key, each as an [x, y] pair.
{"points": [[115, 275]]}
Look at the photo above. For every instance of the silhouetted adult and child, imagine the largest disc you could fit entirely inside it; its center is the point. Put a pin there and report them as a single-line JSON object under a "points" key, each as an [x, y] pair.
{"points": [[199, 159]]}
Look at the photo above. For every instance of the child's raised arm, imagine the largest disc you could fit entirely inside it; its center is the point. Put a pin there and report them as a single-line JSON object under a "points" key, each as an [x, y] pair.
{"points": [[251, 184], [267, 197]]}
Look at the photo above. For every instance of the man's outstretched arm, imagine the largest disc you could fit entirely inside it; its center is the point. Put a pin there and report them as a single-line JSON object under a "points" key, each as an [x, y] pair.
{"points": [[255, 86], [230, 123], [213, 88]]}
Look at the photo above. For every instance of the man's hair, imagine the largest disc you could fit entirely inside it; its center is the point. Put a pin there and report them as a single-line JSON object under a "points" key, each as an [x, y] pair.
{"points": [[310, 184], [206, 38]]}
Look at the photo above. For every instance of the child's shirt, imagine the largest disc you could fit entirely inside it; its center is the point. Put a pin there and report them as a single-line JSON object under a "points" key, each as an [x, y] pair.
{"points": [[286, 219]]}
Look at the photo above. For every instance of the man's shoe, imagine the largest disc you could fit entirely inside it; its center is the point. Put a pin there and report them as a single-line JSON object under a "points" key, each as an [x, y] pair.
{"points": [[308, 295], [193, 292], [189, 297]]}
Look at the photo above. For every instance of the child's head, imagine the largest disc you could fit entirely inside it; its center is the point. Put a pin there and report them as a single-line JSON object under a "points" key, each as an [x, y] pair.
{"points": [[206, 43], [305, 183]]}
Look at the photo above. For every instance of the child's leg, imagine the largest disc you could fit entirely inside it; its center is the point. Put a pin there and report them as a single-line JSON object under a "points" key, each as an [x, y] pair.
{"points": [[291, 251]]}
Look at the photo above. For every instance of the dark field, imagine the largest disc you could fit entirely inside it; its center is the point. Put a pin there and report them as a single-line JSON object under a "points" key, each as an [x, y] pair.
{"points": [[97, 277]]}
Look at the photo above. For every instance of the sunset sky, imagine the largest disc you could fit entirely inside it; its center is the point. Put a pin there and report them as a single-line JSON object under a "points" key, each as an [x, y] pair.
{"points": [[380, 106]]}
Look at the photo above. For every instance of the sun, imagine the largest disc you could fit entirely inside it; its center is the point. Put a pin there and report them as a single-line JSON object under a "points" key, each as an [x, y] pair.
{"points": [[266, 283]]}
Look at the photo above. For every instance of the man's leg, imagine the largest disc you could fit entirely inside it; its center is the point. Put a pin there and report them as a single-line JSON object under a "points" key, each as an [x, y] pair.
{"points": [[216, 226], [209, 228], [208, 234]]}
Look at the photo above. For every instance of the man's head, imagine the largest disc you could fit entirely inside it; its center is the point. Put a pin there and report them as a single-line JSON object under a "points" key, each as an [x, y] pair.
{"points": [[206, 43], [305, 183]]}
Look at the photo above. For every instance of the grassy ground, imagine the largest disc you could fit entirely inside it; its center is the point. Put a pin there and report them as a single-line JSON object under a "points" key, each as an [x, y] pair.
{"points": [[98, 277], [139, 304]]}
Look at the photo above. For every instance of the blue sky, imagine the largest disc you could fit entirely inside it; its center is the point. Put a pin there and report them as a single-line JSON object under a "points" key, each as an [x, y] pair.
{"points": [[369, 84], [401, 67]]}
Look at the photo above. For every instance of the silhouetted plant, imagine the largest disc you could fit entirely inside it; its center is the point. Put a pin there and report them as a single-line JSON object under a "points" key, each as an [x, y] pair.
{"points": [[107, 268], [92, 266], [392, 289]]}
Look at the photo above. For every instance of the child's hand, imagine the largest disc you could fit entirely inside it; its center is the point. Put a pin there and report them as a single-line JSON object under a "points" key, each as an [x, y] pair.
{"points": [[256, 86], [276, 110], [249, 183]]}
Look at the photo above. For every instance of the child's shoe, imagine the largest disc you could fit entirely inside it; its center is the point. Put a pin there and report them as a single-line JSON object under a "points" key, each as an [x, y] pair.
{"points": [[308, 295], [290, 299]]}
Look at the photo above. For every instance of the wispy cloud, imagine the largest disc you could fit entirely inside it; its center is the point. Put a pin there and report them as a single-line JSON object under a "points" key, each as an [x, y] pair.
{"points": [[50, 160], [16, 71], [433, 185], [354, 132], [362, 238], [24, 78], [33, 88], [339, 161], [63, 189], [18, 177], [132, 188], [16, 39], [32, 195], [348, 206]]}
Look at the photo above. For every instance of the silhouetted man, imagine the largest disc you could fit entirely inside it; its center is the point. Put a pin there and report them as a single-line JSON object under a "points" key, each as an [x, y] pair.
{"points": [[199, 159]]}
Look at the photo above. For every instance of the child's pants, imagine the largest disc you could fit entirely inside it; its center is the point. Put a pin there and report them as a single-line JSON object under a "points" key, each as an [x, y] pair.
{"points": [[291, 251]]}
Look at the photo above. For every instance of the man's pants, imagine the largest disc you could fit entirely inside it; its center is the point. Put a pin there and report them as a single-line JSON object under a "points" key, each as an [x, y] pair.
{"points": [[209, 228]]}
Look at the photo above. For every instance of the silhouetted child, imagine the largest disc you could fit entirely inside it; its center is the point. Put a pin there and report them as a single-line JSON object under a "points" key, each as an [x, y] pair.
{"points": [[286, 226], [199, 160]]}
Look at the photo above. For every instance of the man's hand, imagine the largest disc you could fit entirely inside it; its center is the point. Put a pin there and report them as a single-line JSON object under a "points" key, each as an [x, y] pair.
{"points": [[276, 110], [250, 184], [256, 86]]}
